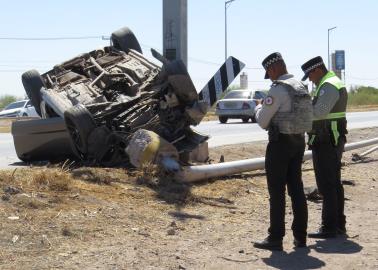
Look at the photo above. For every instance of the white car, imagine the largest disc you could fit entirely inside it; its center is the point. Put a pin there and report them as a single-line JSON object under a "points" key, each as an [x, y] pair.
{"points": [[238, 104], [19, 109]]}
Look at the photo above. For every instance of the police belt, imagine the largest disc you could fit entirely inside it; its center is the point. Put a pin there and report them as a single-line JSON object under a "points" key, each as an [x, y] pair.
{"points": [[335, 115]]}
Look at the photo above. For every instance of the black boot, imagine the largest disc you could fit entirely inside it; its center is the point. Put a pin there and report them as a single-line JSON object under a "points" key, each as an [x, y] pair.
{"points": [[299, 242], [342, 232], [270, 244], [323, 233]]}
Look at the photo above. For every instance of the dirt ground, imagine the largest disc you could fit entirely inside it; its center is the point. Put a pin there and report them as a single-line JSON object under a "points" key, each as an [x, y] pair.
{"points": [[59, 217]]}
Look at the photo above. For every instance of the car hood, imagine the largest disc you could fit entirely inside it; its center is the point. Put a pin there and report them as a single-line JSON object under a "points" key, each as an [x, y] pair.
{"points": [[10, 111]]}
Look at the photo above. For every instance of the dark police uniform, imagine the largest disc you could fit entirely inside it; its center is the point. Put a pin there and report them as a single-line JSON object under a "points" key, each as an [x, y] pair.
{"points": [[327, 140], [286, 113]]}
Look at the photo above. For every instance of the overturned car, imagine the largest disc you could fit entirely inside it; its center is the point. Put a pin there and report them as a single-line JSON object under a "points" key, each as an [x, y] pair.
{"points": [[113, 106]]}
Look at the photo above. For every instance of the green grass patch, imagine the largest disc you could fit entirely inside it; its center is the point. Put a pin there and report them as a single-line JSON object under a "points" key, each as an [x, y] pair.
{"points": [[363, 96]]}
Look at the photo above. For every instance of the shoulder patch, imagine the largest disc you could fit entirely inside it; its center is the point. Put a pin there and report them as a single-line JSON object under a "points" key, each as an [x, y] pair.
{"points": [[268, 100]]}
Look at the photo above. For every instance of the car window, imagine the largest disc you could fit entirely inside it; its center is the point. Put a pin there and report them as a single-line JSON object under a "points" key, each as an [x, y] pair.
{"points": [[238, 94], [29, 104], [15, 105]]}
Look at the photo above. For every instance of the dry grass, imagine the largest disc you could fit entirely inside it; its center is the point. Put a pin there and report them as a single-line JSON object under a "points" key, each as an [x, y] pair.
{"points": [[52, 179], [111, 218], [151, 175], [362, 108], [5, 124]]}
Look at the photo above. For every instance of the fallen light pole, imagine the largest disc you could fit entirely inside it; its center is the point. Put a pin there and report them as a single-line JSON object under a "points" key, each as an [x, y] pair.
{"points": [[203, 172], [358, 157]]}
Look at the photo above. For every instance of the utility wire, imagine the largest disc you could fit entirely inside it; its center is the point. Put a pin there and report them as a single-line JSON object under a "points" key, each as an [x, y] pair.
{"points": [[52, 38], [143, 45]]}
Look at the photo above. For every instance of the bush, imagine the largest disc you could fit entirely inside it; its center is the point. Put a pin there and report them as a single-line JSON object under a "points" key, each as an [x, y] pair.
{"points": [[363, 96], [6, 99]]}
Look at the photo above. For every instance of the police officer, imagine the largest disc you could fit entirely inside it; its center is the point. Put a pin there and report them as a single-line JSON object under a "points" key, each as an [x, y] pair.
{"points": [[287, 114], [327, 140]]}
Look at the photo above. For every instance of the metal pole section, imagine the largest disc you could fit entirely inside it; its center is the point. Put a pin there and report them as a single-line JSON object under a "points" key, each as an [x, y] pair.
{"points": [[175, 30], [226, 4], [357, 157], [225, 31], [202, 172], [329, 29]]}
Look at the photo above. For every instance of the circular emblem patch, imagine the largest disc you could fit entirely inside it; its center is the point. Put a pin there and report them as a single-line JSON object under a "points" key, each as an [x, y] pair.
{"points": [[268, 100], [321, 92]]}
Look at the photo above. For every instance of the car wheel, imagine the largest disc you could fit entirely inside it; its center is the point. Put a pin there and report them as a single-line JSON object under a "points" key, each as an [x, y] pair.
{"points": [[80, 124], [245, 119], [124, 39], [24, 114], [223, 119], [253, 119], [33, 83]]}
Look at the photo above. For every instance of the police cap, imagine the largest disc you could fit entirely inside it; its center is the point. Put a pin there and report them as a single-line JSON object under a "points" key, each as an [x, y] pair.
{"points": [[310, 65], [269, 60]]}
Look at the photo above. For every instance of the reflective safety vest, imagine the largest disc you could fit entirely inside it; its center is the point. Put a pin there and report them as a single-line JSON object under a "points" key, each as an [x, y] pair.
{"points": [[336, 119]]}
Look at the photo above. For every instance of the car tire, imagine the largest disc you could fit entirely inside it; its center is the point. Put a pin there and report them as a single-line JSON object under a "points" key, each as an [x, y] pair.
{"points": [[253, 119], [24, 114], [223, 119], [80, 124], [245, 119], [33, 83], [124, 39]]}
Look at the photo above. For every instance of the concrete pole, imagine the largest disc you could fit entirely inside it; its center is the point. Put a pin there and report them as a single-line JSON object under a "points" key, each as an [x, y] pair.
{"points": [[226, 4], [203, 172], [329, 30], [175, 30]]}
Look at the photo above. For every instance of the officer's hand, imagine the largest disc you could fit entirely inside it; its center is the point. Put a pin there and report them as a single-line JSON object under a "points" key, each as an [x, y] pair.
{"points": [[258, 101]]}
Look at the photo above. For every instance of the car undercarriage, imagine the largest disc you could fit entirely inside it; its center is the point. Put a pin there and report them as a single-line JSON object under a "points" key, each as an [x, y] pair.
{"points": [[107, 95]]}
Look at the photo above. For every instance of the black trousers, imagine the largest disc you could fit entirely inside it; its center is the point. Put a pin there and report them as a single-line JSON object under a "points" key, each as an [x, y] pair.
{"points": [[327, 166], [283, 165]]}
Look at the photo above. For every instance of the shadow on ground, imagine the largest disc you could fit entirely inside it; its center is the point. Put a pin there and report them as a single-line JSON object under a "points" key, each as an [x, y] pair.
{"points": [[298, 259], [337, 246]]}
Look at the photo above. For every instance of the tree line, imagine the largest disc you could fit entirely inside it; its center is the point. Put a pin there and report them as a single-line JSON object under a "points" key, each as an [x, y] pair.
{"points": [[7, 99], [358, 95]]}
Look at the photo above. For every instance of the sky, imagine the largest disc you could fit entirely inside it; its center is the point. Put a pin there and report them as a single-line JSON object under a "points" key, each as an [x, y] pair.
{"points": [[297, 29]]}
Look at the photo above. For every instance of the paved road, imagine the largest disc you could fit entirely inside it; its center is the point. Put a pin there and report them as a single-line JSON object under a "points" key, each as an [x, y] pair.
{"points": [[237, 132], [221, 134], [8, 153]]}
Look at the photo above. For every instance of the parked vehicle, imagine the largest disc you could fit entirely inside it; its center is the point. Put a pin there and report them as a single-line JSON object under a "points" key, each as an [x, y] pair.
{"points": [[238, 104], [104, 97], [19, 109]]}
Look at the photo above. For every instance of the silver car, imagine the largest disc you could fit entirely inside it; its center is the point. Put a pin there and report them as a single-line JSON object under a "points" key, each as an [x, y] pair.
{"points": [[19, 109], [238, 104]]}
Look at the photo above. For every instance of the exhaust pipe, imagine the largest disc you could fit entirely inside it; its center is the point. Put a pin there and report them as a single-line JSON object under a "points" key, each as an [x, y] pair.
{"points": [[201, 172]]}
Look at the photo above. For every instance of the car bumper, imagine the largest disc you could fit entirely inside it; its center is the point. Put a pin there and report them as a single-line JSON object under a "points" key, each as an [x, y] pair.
{"points": [[235, 113]]}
